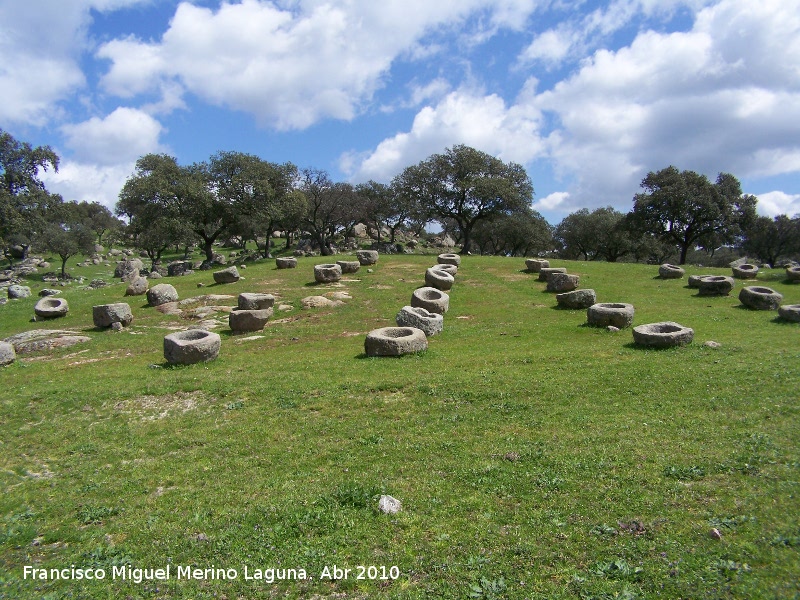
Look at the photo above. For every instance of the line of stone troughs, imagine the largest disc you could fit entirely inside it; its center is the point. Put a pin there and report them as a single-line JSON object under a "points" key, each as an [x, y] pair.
{"points": [[619, 315], [423, 318]]}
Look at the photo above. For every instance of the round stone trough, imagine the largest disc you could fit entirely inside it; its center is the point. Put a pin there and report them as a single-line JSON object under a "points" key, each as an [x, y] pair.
{"points": [[192, 346], [51, 307], [367, 257], [745, 271], [604, 314], [431, 299], [395, 341], [544, 272], [452, 269], [441, 280], [668, 271], [415, 316], [327, 273], [694, 280], [253, 301], [793, 274], [562, 282], [534, 265], [790, 312], [349, 266], [286, 262], [760, 298], [662, 335], [242, 320], [105, 315], [577, 299], [449, 258], [715, 285]]}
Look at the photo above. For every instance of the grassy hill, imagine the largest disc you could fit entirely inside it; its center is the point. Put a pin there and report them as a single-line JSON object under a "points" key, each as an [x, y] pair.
{"points": [[535, 457]]}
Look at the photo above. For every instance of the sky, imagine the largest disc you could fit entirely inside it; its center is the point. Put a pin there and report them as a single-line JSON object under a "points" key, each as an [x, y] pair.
{"points": [[588, 96]]}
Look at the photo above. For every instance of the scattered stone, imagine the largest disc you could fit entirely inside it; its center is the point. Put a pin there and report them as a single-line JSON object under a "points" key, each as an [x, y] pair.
{"points": [[617, 314], [18, 291], [577, 299], [790, 312], [192, 346], [200, 284], [715, 285], [349, 266], [431, 299], [715, 534], [439, 279], [367, 257], [161, 293], [51, 308], [327, 273], [389, 506], [694, 280], [395, 341], [712, 344], [96, 284], [662, 335], [562, 282], [287, 262], [245, 320], [117, 326], [229, 275], [128, 269], [544, 272], [7, 354], [39, 340], [449, 258], [319, 302], [154, 275], [49, 292], [534, 265], [668, 271], [137, 287], [745, 271], [178, 268], [104, 315], [612, 329], [760, 298], [251, 301], [429, 322]]}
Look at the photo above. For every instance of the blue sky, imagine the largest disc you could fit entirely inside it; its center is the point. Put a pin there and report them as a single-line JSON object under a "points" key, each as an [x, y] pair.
{"points": [[588, 96]]}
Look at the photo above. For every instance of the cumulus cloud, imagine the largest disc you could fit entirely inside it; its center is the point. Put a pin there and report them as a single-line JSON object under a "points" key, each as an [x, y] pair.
{"points": [[461, 117], [121, 137], [290, 67], [772, 204], [88, 182]]}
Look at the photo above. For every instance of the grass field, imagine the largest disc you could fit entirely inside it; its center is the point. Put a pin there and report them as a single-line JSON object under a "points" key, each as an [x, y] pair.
{"points": [[535, 457]]}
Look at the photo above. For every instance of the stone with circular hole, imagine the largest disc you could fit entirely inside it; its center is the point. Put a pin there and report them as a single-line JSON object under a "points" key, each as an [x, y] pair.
{"points": [[668, 271], [790, 312], [327, 273], [192, 346], [715, 285], [604, 314], [286, 262], [662, 335], [395, 341], [51, 307], [793, 274], [349, 266], [745, 271], [431, 299], [452, 269], [760, 298], [439, 279], [415, 316], [449, 258]]}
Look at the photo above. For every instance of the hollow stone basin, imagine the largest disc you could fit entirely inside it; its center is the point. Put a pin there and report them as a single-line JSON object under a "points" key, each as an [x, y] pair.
{"points": [[760, 298], [51, 307], [327, 273], [414, 316], [439, 279], [662, 335], [395, 341], [431, 299], [604, 314], [790, 312], [192, 346], [668, 271], [745, 271], [715, 285], [449, 258], [286, 262]]}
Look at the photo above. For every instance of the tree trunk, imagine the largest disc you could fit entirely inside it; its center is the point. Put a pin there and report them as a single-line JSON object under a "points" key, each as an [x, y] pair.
{"points": [[684, 252]]}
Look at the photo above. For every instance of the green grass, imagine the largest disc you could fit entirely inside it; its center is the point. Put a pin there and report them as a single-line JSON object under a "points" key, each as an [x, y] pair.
{"points": [[535, 457]]}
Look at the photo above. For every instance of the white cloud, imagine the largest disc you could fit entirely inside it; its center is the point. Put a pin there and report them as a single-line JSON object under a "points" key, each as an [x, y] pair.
{"points": [[89, 182], [772, 204], [121, 137], [461, 117], [553, 202], [289, 67]]}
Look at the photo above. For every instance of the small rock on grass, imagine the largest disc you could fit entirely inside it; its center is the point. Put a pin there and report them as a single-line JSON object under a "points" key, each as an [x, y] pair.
{"points": [[389, 505], [715, 534], [612, 329], [712, 344]]}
